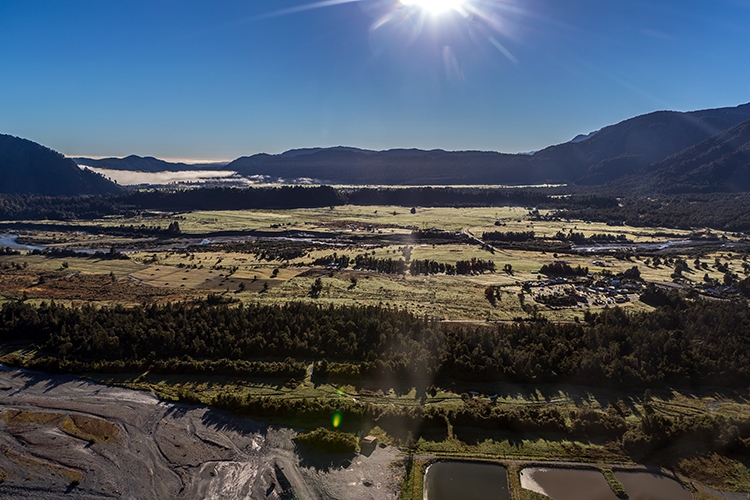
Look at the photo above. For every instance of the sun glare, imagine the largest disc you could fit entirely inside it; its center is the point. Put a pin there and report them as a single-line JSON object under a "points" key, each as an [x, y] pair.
{"points": [[435, 6]]}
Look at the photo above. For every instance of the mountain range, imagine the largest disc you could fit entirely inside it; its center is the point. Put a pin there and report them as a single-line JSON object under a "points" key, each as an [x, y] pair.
{"points": [[666, 151], [145, 164], [601, 157]]}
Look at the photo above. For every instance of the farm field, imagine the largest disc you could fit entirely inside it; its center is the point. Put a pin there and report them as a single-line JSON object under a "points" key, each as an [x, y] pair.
{"points": [[262, 269]]}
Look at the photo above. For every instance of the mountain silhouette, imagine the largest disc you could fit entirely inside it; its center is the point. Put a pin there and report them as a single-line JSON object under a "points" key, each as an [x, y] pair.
{"points": [[28, 167], [601, 157], [145, 164]]}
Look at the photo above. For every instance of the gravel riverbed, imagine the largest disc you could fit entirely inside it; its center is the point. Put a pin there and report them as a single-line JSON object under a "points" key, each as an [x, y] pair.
{"points": [[66, 436]]}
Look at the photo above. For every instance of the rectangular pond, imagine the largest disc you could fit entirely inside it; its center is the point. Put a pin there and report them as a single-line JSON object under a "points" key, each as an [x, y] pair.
{"points": [[466, 481], [649, 486], [567, 484]]}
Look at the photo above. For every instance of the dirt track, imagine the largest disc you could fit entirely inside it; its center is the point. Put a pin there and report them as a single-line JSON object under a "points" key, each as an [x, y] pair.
{"points": [[64, 436]]}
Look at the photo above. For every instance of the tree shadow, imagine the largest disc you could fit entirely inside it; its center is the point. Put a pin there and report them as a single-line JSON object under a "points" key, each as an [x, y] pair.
{"points": [[322, 461], [48, 381], [177, 410], [219, 420]]}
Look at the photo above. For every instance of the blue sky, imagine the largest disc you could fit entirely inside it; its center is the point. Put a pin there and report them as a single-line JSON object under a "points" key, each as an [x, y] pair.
{"points": [[217, 80]]}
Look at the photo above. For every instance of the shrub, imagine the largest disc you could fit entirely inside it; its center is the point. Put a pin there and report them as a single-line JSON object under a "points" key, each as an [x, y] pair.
{"points": [[328, 440]]}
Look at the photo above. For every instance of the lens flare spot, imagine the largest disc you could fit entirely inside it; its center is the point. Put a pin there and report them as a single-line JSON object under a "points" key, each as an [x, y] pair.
{"points": [[336, 419], [435, 6]]}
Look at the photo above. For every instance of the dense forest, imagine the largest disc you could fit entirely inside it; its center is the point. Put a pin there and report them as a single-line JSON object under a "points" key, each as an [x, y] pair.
{"points": [[729, 212], [682, 343]]}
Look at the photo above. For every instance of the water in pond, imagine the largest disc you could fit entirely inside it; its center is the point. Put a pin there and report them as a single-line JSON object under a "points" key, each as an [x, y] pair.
{"points": [[647, 486], [567, 484], [466, 481]]}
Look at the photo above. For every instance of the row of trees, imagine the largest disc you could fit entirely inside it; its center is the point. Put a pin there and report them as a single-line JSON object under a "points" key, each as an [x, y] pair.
{"points": [[428, 266], [387, 265], [340, 261], [475, 266], [681, 343]]}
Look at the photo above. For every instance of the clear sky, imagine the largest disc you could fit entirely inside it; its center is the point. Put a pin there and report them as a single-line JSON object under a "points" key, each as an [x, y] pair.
{"points": [[225, 78]]}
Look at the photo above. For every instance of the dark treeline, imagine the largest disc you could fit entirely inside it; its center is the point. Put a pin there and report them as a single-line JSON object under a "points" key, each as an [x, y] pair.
{"points": [[235, 199], [508, 235], [141, 230], [112, 254], [429, 196], [574, 237], [340, 261], [398, 266], [719, 211], [34, 207], [729, 212], [560, 268], [475, 266], [681, 343], [152, 332], [30, 207]]}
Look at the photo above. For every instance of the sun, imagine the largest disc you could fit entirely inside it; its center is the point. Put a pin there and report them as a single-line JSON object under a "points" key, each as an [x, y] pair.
{"points": [[435, 6]]}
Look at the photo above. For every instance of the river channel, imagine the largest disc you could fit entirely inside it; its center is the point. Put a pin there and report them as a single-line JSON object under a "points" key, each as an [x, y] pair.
{"points": [[10, 241]]}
